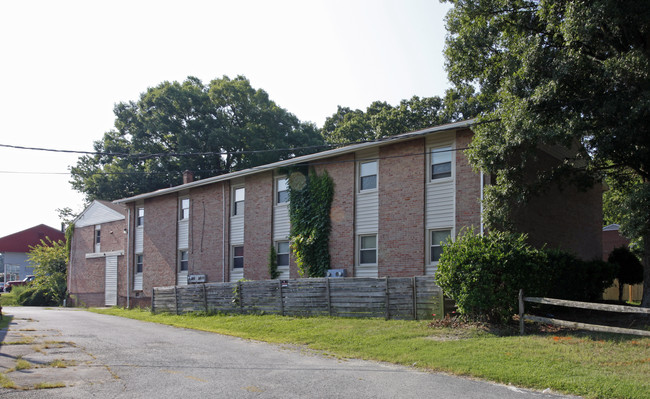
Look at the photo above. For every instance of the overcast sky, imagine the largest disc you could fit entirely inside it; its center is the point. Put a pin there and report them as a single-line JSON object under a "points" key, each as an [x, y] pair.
{"points": [[64, 64]]}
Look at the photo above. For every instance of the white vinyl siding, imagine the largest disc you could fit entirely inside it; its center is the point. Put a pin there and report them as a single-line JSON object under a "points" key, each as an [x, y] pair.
{"points": [[137, 278], [236, 231], [281, 223], [434, 248], [366, 217], [440, 193], [139, 240], [98, 213], [183, 239], [110, 286]]}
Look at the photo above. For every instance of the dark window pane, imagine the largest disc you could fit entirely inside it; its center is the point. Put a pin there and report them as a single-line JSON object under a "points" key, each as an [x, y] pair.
{"points": [[369, 182], [238, 263], [283, 260], [239, 208], [435, 253], [440, 171], [239, 251], [368, 256], [283, 196]]}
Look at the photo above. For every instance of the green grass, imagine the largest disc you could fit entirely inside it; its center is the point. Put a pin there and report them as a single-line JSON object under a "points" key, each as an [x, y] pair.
{"points": [[593, 366]]}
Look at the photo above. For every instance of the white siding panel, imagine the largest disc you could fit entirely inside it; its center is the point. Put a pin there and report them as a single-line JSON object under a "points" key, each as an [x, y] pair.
{"points": [[236, 275], [237, 230], [366, 271], [182, 278], [183, 234], [98, 213], [139, 240], [367, 213], [137, 282], [284, 272], [281, 223], [110, 287], [440, 205]]}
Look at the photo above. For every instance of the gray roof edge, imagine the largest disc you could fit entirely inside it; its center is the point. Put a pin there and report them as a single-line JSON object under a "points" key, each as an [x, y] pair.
{"points": [[304, 158]]}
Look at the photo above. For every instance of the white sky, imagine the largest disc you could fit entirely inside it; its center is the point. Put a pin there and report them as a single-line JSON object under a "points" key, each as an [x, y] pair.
{"points": [[64, 64]]}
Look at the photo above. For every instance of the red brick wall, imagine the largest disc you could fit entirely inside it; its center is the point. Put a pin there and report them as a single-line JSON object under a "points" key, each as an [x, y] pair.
{"points": [[342, 171], [207, 234], [401, 209], [613, 239], [258, 227], [86, 277], [564, 217], [160, 242], [468, 187]]}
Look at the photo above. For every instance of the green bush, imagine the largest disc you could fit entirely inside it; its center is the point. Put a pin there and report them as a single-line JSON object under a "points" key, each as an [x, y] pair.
{"points": [[578, 280], [483, 274], [36, 296], [630, 269]]}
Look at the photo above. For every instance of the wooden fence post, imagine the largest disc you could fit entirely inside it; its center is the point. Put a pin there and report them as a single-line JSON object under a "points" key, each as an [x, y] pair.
{"points": [[281, 301], [241, 302], [329, 297], [521, 312], [415, 298], [153, 300], [205, 299], [387, 301], [176, 299]]}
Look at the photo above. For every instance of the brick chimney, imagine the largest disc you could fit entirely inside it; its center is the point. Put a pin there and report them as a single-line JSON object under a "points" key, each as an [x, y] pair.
{"points": [[188, 177]]}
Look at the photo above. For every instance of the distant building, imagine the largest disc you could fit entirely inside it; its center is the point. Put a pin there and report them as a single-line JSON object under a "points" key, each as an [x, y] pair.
{"points": [[14, 249]]}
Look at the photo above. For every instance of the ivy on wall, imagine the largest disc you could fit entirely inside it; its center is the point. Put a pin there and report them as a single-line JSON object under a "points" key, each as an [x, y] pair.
{"points": [[69, 232], [310, 200], [273, 263]]}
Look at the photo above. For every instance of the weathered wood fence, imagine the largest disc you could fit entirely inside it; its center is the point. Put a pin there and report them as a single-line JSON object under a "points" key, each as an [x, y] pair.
{"points": [[392, 298], [581, 305]]}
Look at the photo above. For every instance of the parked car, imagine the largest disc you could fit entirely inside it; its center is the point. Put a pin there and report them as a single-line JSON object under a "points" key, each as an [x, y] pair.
{"points": [[10, 284]]}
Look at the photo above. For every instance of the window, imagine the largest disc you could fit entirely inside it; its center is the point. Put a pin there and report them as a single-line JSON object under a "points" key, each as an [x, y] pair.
{"points": [[184, 211], [98, 237], [368, 250], [238, 257], [438, 238], [139, 260], [368, 175], [283, 253], [282, 190], [441, 163], [183, 260], [139, 221], [238, 201]]}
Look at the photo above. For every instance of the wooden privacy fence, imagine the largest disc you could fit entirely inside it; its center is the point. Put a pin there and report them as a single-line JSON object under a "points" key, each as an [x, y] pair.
{"points": [[392, 298], [581, 305]]}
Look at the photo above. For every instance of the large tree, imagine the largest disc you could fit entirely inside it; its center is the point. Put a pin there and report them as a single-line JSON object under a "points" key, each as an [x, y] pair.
{"points": [[570, 73], [382, 119], [176, 126]]}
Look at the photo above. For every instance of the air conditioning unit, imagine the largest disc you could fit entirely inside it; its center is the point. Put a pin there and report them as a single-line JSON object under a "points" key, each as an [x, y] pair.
{"points": [[336, 273], [196, 278]]}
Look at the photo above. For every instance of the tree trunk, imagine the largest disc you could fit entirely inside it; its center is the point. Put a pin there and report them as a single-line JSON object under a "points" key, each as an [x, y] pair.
{"points": [[645, 302]]}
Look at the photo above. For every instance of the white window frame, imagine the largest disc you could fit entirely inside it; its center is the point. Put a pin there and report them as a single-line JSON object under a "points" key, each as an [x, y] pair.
{"points": [[278, 191], [139, 219], [97, 238], [360, 249], [431, 244], [181, 210], [180, 260], [234, 256], [139, 262], [361, 175], [235, 210], [287, 254], [447, 148]]}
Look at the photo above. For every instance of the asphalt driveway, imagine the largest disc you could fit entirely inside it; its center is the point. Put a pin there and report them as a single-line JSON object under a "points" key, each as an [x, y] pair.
{"points": [[91, 355]]}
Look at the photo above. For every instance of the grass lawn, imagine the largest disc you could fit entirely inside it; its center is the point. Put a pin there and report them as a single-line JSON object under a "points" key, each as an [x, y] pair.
{"points": [[590, 365]]}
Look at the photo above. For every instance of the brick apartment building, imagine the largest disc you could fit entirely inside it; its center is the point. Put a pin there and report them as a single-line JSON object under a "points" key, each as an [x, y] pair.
{"points": [[395, 200]]}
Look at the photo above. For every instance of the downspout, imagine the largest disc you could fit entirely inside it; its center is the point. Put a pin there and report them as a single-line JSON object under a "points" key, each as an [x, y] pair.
{"points": [[223, 233], [482, 184], [128, 259]]}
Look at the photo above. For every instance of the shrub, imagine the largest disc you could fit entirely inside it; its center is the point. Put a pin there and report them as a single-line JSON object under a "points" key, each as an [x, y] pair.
{"points": [[36, 296], [630, 269], [575, 279], [483, 274]]}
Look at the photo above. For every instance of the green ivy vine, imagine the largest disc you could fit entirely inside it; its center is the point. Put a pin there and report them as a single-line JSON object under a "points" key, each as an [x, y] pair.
{"points": [[310, 200], [273, 263]]}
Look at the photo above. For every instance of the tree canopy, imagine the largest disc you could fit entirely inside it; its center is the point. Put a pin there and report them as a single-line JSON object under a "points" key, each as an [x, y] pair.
{"points": [[208, 129], [574, 73], [382, 119]]}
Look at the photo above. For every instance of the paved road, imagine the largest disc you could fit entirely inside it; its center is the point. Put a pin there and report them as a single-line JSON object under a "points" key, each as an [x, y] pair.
{"points": [[112, 357]]}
